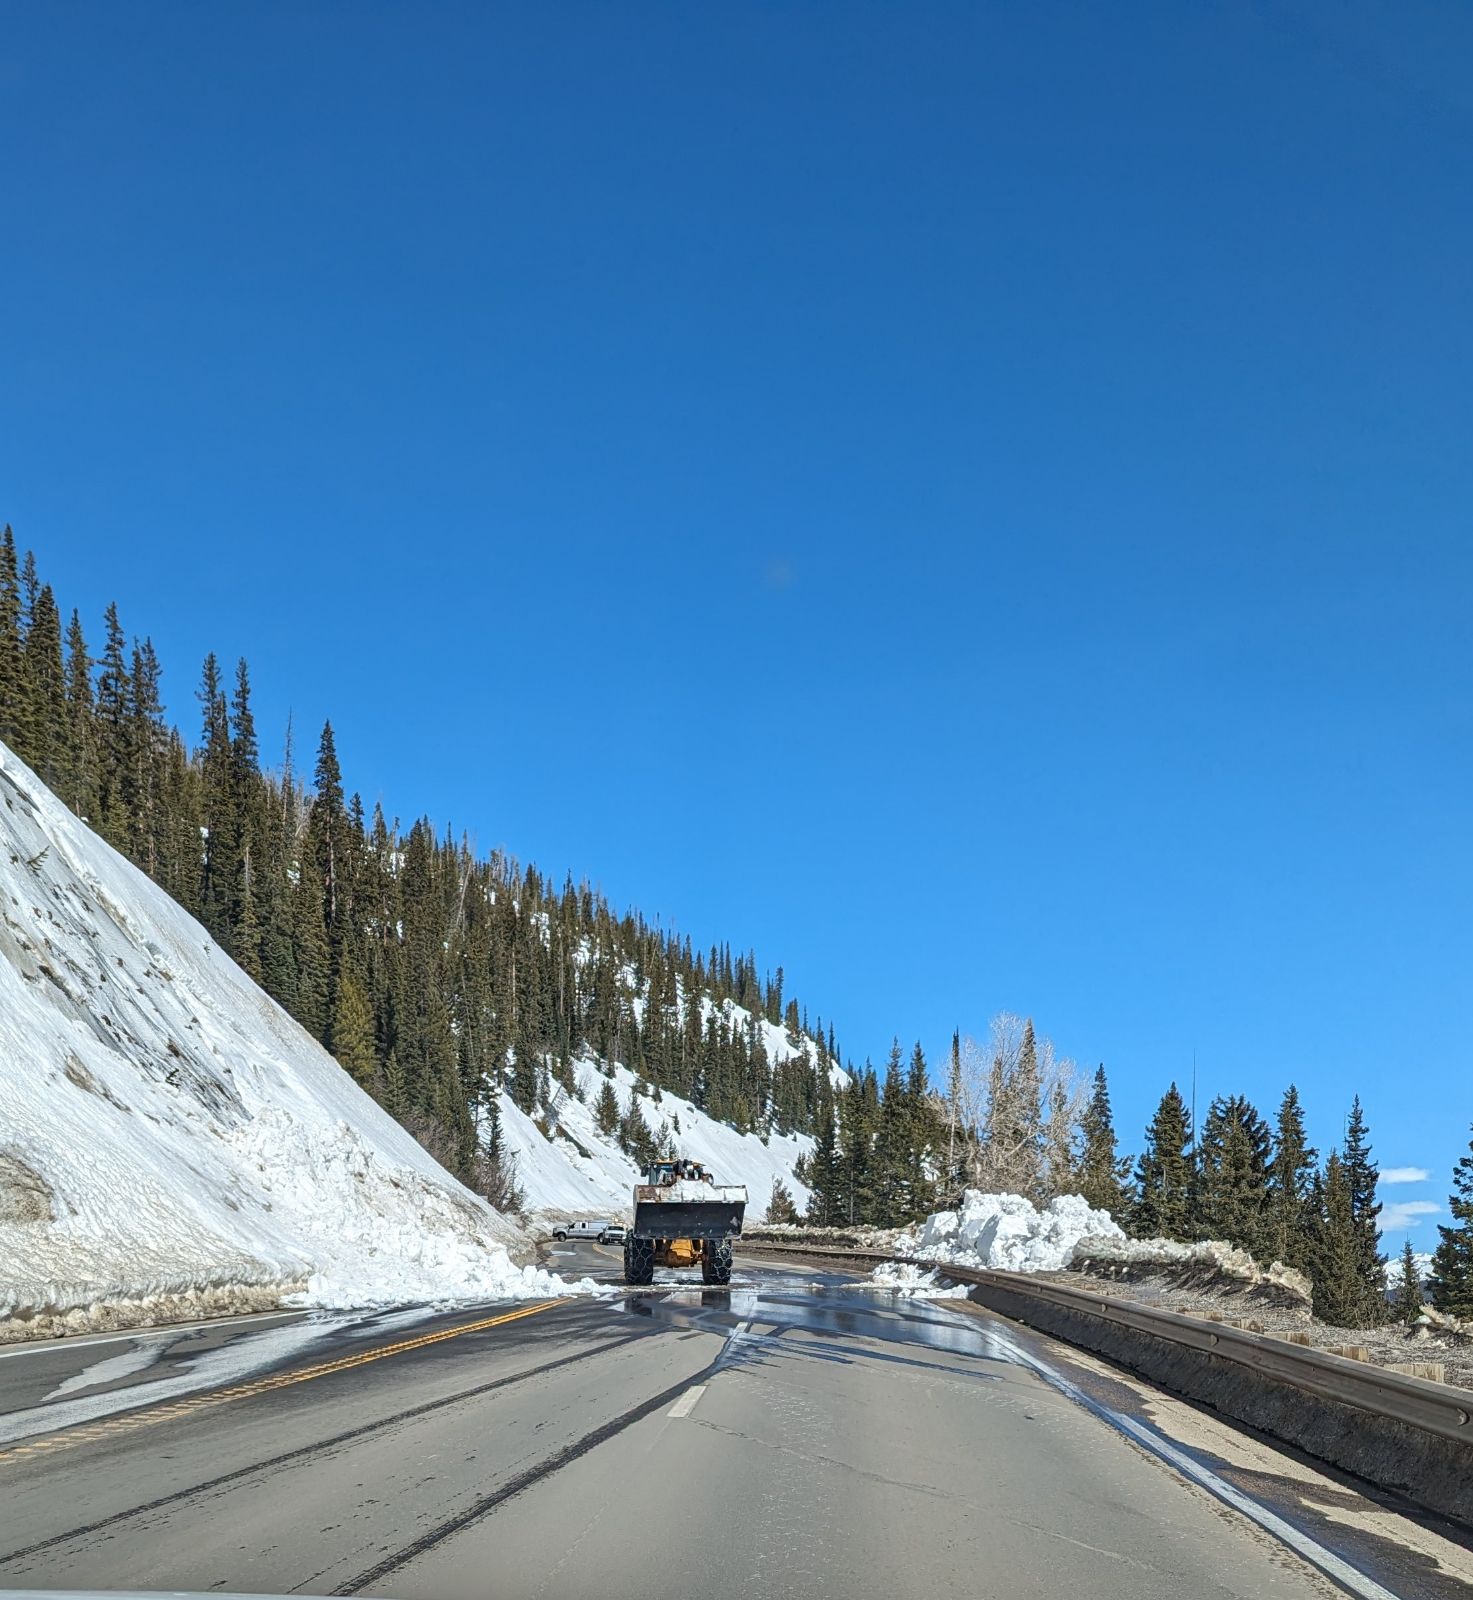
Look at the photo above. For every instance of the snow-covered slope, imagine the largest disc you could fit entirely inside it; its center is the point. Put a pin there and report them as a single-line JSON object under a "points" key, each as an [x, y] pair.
{"points": [[167, 1130], [579, 1171]]}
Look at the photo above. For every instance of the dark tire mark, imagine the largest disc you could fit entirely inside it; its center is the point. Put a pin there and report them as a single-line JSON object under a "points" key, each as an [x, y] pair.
{"points": [[522, 1481]]}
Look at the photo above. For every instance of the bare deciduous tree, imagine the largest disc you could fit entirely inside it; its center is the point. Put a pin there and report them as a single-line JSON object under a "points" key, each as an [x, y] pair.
{"points": [[1016, 1105]]}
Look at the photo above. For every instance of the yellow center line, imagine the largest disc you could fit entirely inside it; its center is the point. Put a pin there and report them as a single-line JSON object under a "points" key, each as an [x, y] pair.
{"points": [[170, 1410]]}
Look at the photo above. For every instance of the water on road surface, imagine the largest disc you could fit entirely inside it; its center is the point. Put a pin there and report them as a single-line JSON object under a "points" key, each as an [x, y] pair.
{"points": [[799, 1433]]}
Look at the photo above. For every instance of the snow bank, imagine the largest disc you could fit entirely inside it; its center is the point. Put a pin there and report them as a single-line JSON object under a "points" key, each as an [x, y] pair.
{"points": [[168, 1133], [1004, 1231]]}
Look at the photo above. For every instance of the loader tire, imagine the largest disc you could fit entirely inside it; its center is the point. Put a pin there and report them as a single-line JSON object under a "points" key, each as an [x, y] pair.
{"points": [[639, 1261], [716, 1262]]}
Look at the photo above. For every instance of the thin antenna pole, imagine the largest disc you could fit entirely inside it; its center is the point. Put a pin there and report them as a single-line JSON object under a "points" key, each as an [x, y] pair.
{"points": [[1194, 1101]]}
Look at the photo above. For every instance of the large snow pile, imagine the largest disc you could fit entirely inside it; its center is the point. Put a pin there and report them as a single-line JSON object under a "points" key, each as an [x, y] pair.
{"points": [[1005, 1231], [572, 1169], [167, 1131]]}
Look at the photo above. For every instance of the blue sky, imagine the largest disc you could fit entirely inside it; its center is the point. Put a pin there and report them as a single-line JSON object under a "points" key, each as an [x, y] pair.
{"points": [[970, 501]]}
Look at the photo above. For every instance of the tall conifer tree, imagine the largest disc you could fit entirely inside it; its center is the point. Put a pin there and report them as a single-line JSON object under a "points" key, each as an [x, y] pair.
{"points": [[1291, 1176], [1165, 1190], [1101, 1172], [1452, 1261]]}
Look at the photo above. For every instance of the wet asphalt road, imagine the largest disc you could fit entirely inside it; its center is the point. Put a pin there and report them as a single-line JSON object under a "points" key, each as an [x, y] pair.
{"points": [[797, 1434]]}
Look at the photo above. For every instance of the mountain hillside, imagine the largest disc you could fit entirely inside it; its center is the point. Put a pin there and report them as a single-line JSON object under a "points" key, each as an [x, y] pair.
{"points": [[568, 1167], [167, 1131]]}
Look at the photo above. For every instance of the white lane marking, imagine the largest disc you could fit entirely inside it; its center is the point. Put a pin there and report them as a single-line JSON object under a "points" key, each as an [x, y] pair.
{"points": [[1316, 1554], [733, 1339], [687, 1402], [171, 1330]]}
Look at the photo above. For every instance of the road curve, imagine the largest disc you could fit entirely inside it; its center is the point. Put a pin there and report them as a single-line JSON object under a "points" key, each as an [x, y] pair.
{"points": [[798, 1434]]}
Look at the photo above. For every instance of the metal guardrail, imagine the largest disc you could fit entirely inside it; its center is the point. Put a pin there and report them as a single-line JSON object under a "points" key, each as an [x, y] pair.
{"points": [[1436, 1408]]}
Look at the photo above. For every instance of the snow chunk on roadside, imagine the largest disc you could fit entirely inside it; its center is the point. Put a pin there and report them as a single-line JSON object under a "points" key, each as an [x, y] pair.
{"points": [[913, 1284], [1006, 1232]]}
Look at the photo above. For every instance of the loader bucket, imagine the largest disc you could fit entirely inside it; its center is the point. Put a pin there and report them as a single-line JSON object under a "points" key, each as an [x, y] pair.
{"points": [[688, 1211]]}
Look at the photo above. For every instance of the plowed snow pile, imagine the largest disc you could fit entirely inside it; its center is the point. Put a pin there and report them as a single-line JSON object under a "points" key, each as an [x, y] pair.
{"points": [[1006, 1232], [166, 1130]]}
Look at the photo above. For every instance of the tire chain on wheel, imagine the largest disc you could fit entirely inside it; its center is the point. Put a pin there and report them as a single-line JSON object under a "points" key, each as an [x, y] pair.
{"points": [[639, 1261], [716, 1262]]}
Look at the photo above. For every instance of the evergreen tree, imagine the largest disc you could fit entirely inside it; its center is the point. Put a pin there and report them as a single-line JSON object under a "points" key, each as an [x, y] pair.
{"points": [[1232, 1175], [148, 745], [114, 735], [328, 838], [1339, 1293], [825, 1170], [606, 1110], [1361, 1174], [1409, 1287], [525, 1065], [352, 1039], [50, 724], [892, 1146], [1164, 1197], [216, 790], [81, 794], [15, 725], [249, 830], [396, 1090], [858, 1117], [1290, 1220], [780, 1207], [1102, 1174], [312, 963], [923, 1136], [1452, 1261]]}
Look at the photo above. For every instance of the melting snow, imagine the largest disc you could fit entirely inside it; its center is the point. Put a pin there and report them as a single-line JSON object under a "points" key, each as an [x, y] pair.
{"points": [[913, 1284]]}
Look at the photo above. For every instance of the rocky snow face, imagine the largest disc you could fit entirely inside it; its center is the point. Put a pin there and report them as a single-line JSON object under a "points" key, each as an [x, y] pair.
{"points": [[167, 1130]]}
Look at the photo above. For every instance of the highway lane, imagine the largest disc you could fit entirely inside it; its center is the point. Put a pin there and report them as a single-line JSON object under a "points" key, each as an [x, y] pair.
{"points": [[796, 1434]]}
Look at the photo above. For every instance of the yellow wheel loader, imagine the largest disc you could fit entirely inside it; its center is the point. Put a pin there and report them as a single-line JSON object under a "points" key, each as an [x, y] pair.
{"points": [[683, 1219]]}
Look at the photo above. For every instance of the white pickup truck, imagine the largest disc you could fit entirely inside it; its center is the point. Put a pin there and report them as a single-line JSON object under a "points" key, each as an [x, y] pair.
{"points": [[601, 1229]]}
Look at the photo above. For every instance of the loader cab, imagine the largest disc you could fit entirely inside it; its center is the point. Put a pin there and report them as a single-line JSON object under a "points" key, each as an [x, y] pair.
{"points": [[664, 1173]]}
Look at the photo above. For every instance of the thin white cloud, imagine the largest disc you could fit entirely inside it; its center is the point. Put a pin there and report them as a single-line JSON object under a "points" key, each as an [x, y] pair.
{"points": [[1403, 1214], [1405, 1175]]}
